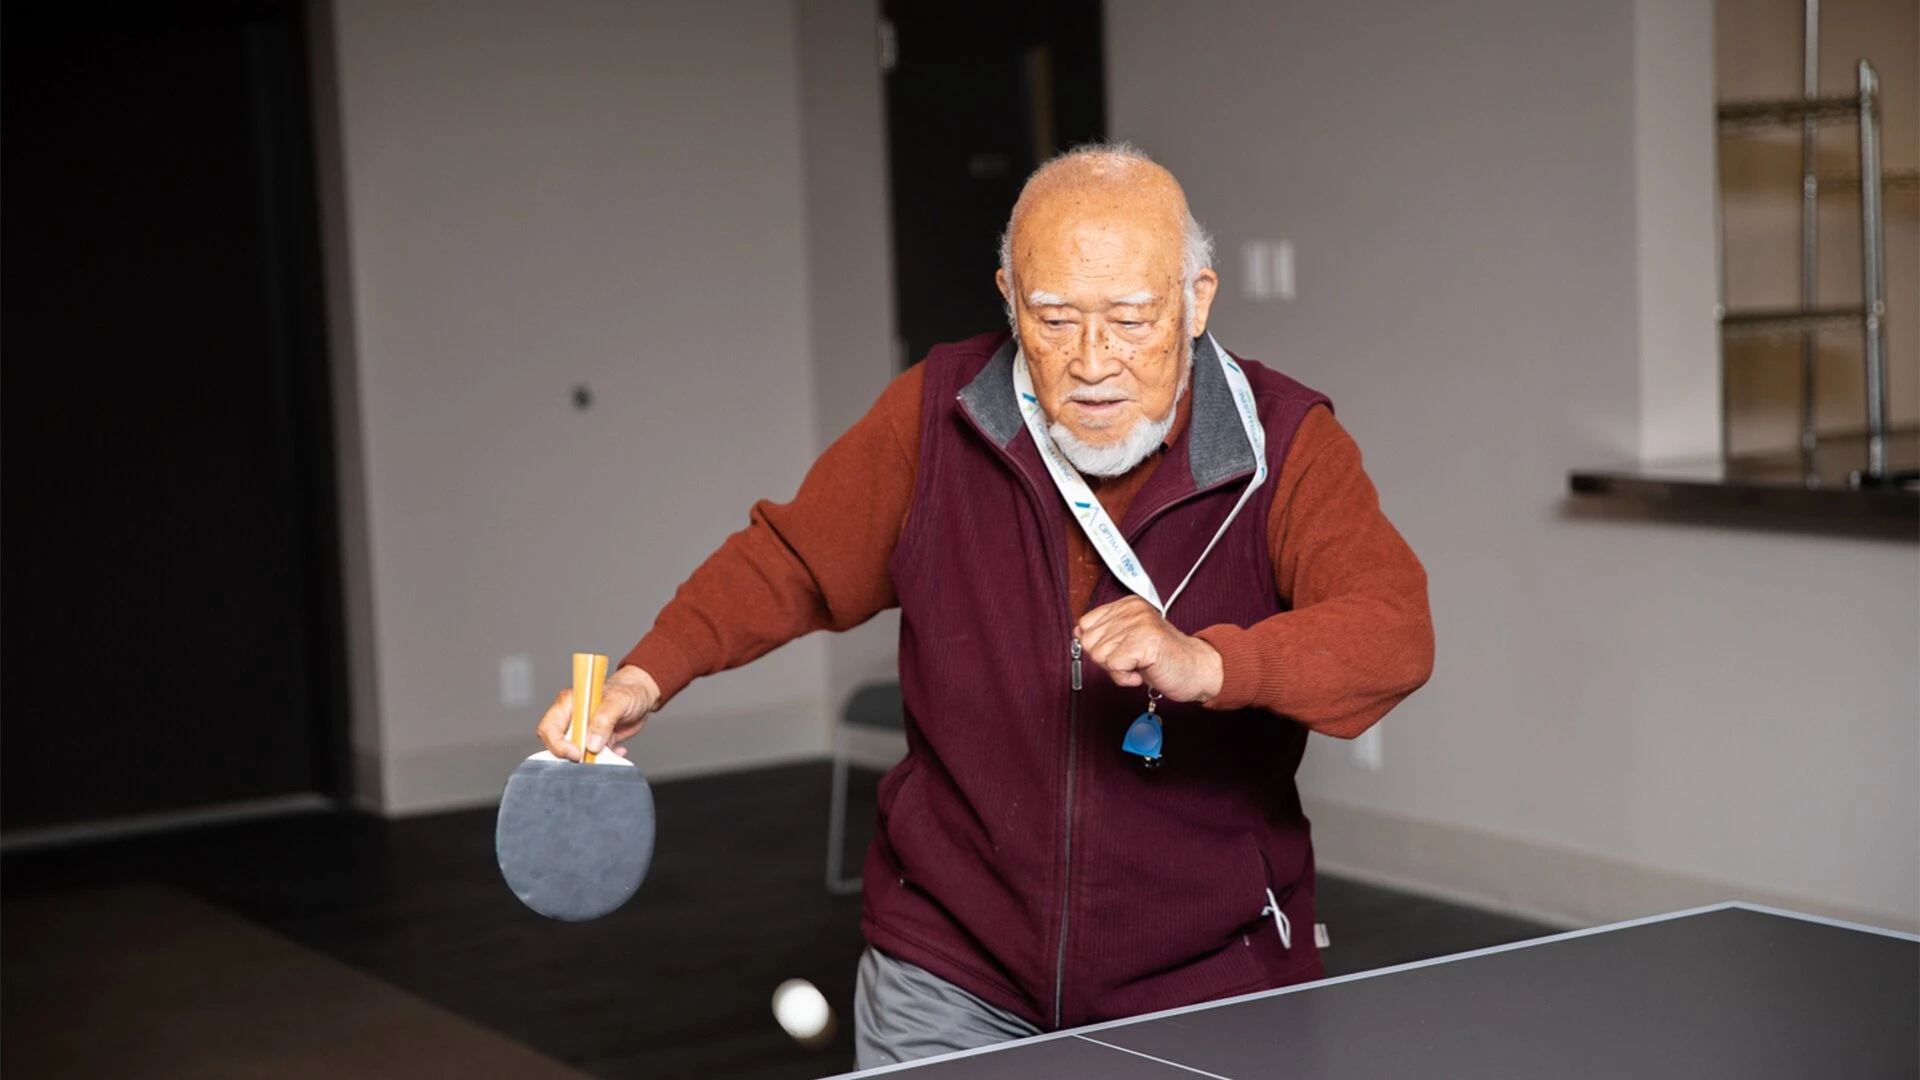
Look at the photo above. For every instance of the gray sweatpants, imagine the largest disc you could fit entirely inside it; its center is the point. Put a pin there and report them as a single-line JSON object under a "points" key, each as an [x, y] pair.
{"points": [[902, 1012]]}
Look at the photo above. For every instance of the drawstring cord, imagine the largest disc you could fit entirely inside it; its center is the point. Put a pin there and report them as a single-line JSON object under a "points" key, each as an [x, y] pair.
{"points": [[1280, 920]]}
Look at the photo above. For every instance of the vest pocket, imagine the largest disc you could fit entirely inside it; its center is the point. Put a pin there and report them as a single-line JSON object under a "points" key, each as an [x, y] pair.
{"points": [[1281, 935], [1271, 960], [1266, 890], [1224, 945]]}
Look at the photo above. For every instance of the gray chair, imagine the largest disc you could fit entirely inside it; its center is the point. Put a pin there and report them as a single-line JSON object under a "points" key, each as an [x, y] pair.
{"points": [[875, 707]]}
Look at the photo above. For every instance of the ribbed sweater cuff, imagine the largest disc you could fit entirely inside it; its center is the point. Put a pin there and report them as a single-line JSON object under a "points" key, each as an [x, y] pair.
{"points": [[1248, 677], [672, 669]]}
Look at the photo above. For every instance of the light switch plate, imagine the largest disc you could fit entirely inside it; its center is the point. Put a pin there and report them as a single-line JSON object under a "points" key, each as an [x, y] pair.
{"points": [[516, 681]]}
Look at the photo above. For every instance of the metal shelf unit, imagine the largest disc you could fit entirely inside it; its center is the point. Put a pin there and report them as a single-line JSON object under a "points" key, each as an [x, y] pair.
{"points": [[1806, 322]]}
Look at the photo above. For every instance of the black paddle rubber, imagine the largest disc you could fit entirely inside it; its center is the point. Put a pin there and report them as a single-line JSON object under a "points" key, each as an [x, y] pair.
{"points": [[574, 840]]}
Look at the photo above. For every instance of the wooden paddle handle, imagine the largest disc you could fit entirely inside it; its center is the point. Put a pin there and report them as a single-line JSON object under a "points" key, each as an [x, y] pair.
{"points": [[589, 681]]}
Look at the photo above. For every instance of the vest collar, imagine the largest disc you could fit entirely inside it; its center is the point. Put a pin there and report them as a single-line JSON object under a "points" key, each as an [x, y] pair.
{"points": [[1217, 446]]}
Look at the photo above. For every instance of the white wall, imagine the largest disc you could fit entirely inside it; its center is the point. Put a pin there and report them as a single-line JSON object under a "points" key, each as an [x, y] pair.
{"points": [[1626, 715], [530, 196], [849, 265], [1675, 184]]}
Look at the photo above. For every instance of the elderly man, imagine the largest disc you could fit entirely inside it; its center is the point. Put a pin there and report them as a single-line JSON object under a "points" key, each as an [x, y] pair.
{"points": [[1133, 573]]}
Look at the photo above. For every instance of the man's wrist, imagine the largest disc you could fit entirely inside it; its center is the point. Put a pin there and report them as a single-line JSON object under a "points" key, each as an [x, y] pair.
{"points": [[1213, 672], [1240, 666], [664, 661], [637, 677]]}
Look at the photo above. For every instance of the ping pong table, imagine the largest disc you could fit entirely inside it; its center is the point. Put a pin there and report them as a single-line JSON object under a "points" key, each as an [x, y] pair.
{"points": [[1733, 990]]}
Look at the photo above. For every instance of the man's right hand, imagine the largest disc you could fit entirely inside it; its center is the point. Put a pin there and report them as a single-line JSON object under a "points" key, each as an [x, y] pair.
{"points": [[629, 696]]}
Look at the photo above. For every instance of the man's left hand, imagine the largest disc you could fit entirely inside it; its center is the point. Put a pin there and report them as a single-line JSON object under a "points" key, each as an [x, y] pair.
{"points": [[1138, 647]]}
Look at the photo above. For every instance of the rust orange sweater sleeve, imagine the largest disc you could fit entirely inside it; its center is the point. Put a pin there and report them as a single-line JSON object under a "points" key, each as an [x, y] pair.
{"points": [[1359, 637], [1357, 640], [818, 562]]}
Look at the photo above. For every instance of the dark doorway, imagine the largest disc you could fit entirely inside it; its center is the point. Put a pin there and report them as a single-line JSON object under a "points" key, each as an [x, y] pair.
{"points": [[978, 95], [172, 629]]}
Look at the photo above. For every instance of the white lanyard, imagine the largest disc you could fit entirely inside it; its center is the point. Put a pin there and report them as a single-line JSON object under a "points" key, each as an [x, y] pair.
{"points": [[1093, 517]]}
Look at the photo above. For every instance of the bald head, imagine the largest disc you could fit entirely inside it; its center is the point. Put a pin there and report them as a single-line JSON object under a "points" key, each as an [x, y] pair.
{"points": [[1107, 278], [1107, 181]]}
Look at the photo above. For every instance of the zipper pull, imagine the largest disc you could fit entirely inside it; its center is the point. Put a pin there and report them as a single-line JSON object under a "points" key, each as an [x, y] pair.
{"points": [[1076, 663]]}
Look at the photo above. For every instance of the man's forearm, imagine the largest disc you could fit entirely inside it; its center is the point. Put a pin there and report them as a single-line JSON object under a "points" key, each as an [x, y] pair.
{"points": [[1336, 667], [818, 562], [750, 597], [1360, 636]]}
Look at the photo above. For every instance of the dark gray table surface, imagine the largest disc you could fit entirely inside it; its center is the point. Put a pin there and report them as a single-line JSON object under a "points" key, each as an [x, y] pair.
{"points": [[1730, 991]]}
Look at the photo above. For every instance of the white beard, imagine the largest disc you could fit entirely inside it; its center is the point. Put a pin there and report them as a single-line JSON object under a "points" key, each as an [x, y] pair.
{"points": [[1118, 459]]}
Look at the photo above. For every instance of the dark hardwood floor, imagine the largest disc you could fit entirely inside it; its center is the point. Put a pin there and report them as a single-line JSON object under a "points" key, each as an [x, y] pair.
{"points": [[678, 982]]}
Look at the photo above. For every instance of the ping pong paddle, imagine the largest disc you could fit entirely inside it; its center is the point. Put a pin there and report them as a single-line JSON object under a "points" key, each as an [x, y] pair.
{"points": [[574, 838]]}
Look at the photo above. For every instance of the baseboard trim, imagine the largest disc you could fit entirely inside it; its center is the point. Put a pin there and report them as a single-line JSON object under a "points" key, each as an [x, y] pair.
{"points": [[15, 841], [1551, 885]]}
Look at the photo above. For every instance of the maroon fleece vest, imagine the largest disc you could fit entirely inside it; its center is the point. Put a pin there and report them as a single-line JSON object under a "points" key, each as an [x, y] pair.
{"points": [[1021, 854]]}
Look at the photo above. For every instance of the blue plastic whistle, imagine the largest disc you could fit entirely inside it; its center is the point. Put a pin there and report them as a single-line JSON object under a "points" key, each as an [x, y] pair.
{"points": [[1144, 738]]}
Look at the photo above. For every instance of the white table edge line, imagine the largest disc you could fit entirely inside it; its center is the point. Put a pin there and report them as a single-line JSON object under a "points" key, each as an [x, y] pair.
{"points": [[956, 1055], [1150, 1057], [1492, 950], [1825, 921]]}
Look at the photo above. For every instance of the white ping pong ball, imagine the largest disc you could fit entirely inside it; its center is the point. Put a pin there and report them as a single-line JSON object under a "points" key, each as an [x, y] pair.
{"points": [[800, 1009]]}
